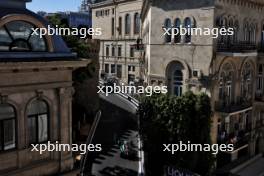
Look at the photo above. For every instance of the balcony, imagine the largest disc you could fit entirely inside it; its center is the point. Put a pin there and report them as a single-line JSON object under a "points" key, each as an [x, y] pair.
{"points": [[240, 148], [223, 106], [238, 47]]}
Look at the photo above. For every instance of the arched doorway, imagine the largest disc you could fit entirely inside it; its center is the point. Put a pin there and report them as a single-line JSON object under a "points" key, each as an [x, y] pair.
{"points": [[175, 78], [177, 82]]}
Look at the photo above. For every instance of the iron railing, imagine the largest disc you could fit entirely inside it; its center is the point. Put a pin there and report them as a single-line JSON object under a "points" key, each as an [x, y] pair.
{"points": [[229, 107], [236, 47]]}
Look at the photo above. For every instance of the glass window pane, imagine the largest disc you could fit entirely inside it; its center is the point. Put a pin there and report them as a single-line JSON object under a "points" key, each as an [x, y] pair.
{"points": [[37, 107], [20, 45], [19, 29], [5, 40], [37, 43], [32, 129], [6, 111], [43, 128], [9, 134]]}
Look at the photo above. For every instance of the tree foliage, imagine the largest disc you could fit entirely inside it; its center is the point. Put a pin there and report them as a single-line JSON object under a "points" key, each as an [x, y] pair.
{"points": [[167, 120], [77, 45]]}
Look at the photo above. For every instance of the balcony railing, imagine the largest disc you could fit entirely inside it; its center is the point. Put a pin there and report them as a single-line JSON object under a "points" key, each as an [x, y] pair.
{"points": [[240, 149], [236, 47], [223, 106]]}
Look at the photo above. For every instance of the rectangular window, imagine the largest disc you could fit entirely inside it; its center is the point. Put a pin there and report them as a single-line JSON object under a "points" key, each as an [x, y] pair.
{"points": [[131, 51], [113, 26], [113, 51], [113, 11], [119, 71], [106, 68], [107, 51], [129, 68], [133, 68], [120, 26], [119, 51], [112, 68]]}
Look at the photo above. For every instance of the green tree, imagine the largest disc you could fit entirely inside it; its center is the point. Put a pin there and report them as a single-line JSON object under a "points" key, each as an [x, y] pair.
{"points": [[77, 45], [169, 119]]}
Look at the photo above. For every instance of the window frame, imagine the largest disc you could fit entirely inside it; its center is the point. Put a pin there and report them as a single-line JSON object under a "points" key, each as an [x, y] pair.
{"points": [[37, 117], [177, 24], [188, 37], [167, 25], [120, 25], [136, 23], [2, 138], [5, 28], [127, 24]]}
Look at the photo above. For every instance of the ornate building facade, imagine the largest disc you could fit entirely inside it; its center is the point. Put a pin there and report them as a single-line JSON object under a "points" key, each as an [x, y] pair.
{"points": [[120, 23], [35, 94], [229, 68]]}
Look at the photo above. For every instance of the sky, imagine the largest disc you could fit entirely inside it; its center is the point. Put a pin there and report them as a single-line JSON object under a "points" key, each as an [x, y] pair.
{"points": [[54, 5]]}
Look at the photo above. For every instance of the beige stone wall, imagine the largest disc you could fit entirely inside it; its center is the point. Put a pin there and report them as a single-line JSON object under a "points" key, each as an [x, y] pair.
{"points": [[120, 9], [196, 55], [241, 11], [201, 54]]}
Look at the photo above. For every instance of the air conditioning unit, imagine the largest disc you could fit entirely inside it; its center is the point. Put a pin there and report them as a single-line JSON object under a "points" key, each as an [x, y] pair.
{"points": [[196, 73]]}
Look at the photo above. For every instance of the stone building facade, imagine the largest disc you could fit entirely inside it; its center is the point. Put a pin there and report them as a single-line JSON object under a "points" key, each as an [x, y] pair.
{"points": [[35, 94], [120, 24], [228, 68]]}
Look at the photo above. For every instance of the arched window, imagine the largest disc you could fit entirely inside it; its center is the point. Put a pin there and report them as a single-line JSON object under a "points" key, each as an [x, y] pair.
{"points": [[7, 127], [136, 23], [38, 121], [226, 84], [250, 33], [246, 31], [120, 25], [247, 82], [127, 24], [231, 37], [177, 82], [236, 30], [188, 26], [260, 80], [167, 25], [254, 33], [177, 24], [223, 39], [113, 51], [18, 36]]}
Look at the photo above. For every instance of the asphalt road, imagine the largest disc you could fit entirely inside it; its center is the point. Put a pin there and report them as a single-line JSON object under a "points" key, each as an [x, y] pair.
{"points": [[118, 123]]}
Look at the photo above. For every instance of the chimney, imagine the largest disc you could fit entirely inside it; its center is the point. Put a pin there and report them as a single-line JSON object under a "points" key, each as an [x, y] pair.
{"points": [[18, 4]]}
